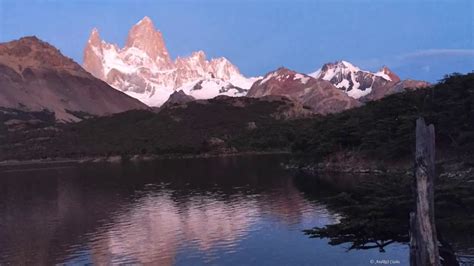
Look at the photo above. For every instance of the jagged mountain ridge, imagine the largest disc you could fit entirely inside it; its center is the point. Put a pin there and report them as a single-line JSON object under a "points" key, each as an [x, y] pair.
{"points": [[35, 76], [319, 95], [333, 88], [362, 84], [143, 68]]}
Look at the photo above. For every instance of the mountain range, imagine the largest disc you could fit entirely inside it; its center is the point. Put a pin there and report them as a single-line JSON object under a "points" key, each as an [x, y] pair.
{"points": [[319, 95], [364, 85], [333, 88], [143, 69], [35, 76]]}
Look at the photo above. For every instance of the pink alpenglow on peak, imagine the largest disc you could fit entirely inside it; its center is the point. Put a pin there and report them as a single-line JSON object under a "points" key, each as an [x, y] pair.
{"points": [[143, 68], [144, 37]]}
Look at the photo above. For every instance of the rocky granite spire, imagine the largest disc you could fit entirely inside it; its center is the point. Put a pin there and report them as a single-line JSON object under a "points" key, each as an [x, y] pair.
{"points": [[94, 37], [93, 54], [145, 37], [144, 69]]}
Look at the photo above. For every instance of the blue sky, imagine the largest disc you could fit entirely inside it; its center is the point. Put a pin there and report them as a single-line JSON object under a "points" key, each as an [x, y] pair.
{"points": [[418, 39]]}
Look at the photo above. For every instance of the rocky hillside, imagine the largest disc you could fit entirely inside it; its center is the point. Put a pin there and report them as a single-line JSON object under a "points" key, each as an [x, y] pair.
{"points": [[333, 88], [319, 95], [34, 76], [177, 98]]}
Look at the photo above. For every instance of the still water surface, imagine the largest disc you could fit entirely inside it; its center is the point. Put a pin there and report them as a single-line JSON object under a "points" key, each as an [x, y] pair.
{"points": [[220, 211]]}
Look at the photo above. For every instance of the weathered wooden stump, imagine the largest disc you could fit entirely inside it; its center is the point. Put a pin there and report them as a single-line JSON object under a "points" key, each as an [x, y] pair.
{"points": [[423, 237]]}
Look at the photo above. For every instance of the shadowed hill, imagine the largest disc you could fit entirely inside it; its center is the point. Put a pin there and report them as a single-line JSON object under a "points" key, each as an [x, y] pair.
{"points": [[379, 130], [191, 128], [34, 76], [385, 129]]}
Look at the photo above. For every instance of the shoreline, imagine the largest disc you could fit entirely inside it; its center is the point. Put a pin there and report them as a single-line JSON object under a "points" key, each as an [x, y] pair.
{"points": [[452, 168], [116, 159], [318, 168]]}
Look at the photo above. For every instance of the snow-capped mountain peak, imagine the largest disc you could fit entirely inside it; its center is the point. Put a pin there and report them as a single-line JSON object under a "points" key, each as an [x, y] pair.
{"points": [[350, 78], [319, 95], [329, 70], [363, 84], [348, 66], [144, 70], [387, 74], [94, 37], [289, 78]]}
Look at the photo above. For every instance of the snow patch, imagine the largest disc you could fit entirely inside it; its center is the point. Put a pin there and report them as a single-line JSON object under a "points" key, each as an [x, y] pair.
{"points": [[356, 93], [345, 74], [383, 75], [157, 98], [303, 79], [343, 84], [210, 88], [350, 66], [268, 77], [316, 74]]}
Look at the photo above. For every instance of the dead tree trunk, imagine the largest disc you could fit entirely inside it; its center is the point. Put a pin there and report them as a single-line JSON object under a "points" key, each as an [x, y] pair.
{"points": [[423, 238]]}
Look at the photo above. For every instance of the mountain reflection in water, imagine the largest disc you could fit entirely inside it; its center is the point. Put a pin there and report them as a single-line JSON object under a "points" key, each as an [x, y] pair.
{"points": [[242, 210]]}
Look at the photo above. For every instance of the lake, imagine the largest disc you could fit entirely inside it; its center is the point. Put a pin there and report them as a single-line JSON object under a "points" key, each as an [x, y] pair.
{"points": [[219, 211]]}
